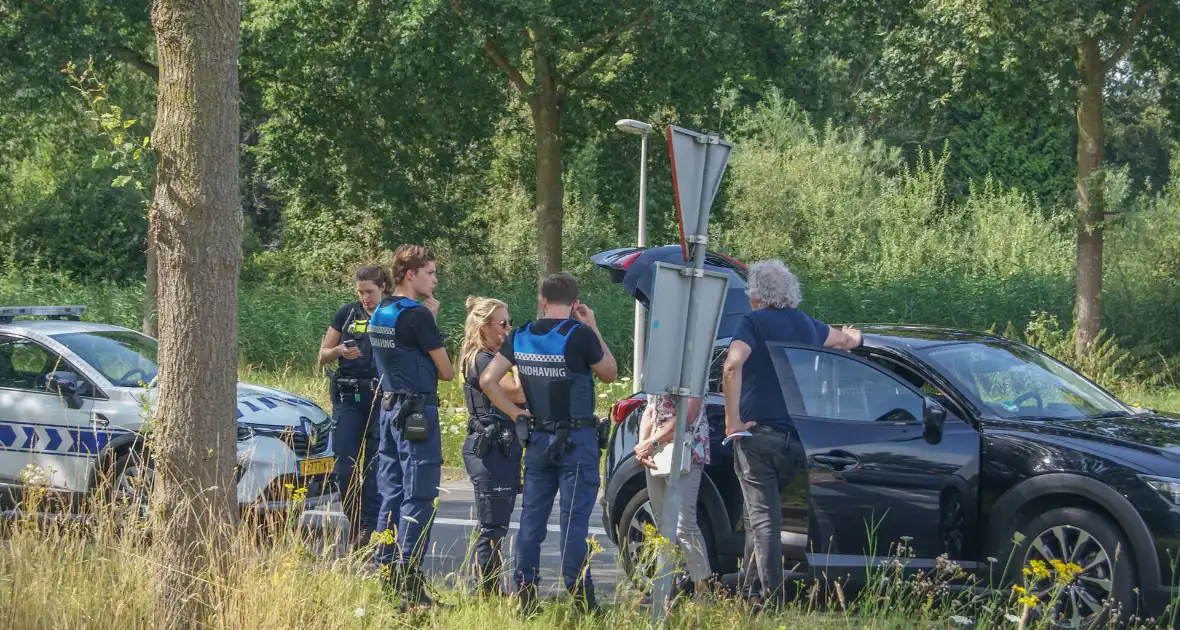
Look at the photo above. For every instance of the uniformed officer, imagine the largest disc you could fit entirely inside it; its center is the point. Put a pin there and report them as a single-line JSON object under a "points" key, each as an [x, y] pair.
{"points": [[410, 357], [353, 386], [557, 358], [491, 452]]}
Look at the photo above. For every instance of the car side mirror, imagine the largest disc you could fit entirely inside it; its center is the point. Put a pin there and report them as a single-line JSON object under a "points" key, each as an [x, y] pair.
{"points": [[66, 385], [934, 416]]}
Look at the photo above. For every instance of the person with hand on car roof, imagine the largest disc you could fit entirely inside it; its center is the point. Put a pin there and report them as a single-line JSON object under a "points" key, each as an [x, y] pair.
{"points": [[353, 388], [766, 447], [491, 452], [657, 428], [557, 358], [410, 357]]}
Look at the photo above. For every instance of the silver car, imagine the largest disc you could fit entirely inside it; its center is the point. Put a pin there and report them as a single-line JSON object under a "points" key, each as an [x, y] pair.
{"points": [[76, 397]]}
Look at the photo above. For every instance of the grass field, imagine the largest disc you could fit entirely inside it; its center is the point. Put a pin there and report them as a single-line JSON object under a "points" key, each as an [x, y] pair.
{"points": [[65, 576]]}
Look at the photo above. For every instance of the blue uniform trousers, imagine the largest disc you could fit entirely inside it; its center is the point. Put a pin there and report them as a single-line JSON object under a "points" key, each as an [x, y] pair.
{"points": [[496, 481], [408, 476], [355, 438], [578, 480]]}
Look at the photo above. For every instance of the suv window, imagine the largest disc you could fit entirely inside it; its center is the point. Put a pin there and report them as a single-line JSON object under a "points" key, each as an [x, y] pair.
{"points": [[24, 364], [838, 387], [716, 365]]}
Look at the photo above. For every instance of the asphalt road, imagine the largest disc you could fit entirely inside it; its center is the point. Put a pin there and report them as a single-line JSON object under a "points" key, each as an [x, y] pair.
{"points": [[453, 535]]}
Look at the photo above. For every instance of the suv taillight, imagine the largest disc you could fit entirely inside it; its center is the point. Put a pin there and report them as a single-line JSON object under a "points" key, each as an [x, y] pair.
{"points": [[621, 410], [627, 260]]}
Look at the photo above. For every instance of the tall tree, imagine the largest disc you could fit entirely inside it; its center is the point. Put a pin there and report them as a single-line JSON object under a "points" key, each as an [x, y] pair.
{"points": [[1043, 54], [197, 223]]}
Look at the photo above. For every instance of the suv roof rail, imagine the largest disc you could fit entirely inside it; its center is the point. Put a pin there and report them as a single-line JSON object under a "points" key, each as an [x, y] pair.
{"points": [[71, 313]]}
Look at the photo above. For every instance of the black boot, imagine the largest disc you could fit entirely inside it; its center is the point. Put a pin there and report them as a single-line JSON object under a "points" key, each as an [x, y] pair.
{"points": [[528, 599], [585, 601], [414, 590]]}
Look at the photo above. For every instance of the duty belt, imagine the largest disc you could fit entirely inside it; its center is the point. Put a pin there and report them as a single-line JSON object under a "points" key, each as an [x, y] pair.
{"points": [[548, 426], [352, 384], [477, 424], [389, 399]]}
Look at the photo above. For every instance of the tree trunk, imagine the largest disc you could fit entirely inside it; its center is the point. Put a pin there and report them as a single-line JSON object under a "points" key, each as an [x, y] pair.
{"points": [[1091, 208], [150, 289], [546, 106], [197, 226]]}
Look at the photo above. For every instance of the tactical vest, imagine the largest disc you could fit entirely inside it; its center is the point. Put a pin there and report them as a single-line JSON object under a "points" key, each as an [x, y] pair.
{"points": [[554, 392], [357, 329], [403, 369], [479, 406]]}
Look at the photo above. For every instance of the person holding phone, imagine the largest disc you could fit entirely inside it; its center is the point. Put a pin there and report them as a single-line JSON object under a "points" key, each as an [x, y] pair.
{"points": [[352, 386], [557, 358]]}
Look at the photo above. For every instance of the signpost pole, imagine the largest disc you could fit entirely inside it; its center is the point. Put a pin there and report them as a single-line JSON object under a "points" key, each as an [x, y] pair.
{"points": [[695, 236]]}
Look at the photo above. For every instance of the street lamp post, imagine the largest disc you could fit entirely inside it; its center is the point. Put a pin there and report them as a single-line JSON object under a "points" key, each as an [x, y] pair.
{"points": [[644, 130]]}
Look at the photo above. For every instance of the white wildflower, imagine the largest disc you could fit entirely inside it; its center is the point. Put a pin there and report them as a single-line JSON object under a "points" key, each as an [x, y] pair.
{"points": [[1012, 618], [410, 519], [959, 619], [359, 612]]}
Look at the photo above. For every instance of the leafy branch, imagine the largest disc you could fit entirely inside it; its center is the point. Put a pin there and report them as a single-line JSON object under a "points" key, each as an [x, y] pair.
{"points": [[126, 151]]}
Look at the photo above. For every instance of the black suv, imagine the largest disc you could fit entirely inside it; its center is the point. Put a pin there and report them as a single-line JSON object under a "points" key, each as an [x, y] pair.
{"points": [[950, 441]]}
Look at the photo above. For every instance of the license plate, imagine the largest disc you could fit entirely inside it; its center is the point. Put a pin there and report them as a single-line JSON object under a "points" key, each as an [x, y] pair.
{"points": [[318, 466]]}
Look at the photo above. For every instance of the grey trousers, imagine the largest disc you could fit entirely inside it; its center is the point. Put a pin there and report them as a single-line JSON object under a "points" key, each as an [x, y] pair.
{"points": [[688, 531], [764, 465]]}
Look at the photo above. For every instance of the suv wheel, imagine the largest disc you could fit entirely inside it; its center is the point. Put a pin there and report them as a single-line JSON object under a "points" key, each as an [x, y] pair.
{"points": [[1090, 541], [638, 560], [127, 484]]}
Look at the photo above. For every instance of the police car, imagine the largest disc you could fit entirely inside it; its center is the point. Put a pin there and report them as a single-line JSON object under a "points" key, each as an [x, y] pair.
{"points": [[75, 398]]}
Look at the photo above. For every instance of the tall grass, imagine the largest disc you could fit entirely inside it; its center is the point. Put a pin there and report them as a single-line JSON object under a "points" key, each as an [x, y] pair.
{"points": [[98, 574]]}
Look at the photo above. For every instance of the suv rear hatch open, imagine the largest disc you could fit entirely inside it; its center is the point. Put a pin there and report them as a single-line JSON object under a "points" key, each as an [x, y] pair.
{"points": [[634, 268]]}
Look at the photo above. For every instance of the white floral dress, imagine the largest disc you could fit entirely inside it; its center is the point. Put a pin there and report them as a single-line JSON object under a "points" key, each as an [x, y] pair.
{"points": [[664, 409]]}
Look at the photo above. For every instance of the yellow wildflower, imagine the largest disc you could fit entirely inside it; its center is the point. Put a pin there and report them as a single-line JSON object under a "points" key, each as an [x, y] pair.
{"points": [[1067, 572], [1028, 600], [1019, 590], [593, 545], [1039, 569], [301, 494]]}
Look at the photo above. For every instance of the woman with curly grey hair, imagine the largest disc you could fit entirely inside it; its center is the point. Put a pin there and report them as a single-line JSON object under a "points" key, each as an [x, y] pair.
{"points": [[756, 415]]}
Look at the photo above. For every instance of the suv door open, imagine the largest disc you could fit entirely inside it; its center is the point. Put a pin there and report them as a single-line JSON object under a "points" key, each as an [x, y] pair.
{"points": [[883, 460]]}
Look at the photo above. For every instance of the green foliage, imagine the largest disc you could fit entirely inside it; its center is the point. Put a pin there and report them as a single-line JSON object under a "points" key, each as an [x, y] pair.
{"points": [[874, 240], [126, 154], [58, 212]]}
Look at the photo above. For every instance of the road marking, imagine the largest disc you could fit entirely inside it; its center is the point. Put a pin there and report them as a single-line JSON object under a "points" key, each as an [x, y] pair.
{"points": [[466, 522]]}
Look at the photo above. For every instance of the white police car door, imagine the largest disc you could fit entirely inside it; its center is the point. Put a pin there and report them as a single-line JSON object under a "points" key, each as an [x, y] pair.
{"points": [[38, 427]]}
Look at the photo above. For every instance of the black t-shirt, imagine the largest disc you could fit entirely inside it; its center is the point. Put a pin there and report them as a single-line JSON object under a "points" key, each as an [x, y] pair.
{"points": [[416, 328], [482, 359], [581, 351], [363, 366]]}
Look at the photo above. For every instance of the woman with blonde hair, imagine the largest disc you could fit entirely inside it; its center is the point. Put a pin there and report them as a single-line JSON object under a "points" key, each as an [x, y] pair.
{"points": [[491, 452]]}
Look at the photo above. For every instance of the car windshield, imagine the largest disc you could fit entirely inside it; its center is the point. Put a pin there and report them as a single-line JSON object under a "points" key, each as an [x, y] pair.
{"points": [[1015, 381], [125, 358]]}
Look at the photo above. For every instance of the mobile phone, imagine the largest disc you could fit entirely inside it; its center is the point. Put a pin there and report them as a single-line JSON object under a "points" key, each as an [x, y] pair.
{"points": [[350, 344]]}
